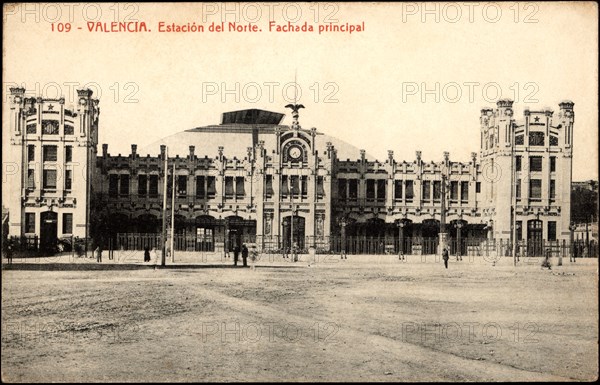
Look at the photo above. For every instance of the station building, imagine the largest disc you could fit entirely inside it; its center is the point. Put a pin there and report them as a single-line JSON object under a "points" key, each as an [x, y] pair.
{"points": [[252, 179]]}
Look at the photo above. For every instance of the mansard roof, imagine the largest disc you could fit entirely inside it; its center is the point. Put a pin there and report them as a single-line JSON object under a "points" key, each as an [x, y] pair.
{"points": [[238, 131]]}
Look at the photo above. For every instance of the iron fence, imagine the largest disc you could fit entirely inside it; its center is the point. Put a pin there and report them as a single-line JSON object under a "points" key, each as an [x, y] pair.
{"points": [[320, 245]]}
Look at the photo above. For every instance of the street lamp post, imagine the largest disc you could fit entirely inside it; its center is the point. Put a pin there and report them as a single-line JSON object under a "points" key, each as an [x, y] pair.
{"points": [[343, 224], [516, 241], [572, 228], [443, 233], [285, 226], [401, 225], [164, 211], [459, 226], [513, 197]]}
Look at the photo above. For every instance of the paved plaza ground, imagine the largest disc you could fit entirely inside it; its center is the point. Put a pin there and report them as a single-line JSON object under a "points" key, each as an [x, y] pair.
{"points": [[325, 319]]}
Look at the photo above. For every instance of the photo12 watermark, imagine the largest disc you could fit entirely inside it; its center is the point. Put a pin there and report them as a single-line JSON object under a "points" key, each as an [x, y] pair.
{"points": [[263, 92], [234, 331]]}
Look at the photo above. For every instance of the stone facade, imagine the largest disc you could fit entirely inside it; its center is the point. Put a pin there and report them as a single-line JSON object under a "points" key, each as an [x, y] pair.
{"points": [[284, 172]]}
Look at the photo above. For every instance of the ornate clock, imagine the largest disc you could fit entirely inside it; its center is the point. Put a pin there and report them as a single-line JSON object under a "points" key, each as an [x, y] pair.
{"points": [[295, 152]]}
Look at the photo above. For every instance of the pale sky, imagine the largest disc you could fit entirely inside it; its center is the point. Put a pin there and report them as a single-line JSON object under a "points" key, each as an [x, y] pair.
{"points": [[365, 88]]}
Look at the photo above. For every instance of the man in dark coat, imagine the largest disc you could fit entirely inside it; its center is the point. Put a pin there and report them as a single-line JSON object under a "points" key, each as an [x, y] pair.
{"points": [[236, 254], [445, 257], [245, 254]]}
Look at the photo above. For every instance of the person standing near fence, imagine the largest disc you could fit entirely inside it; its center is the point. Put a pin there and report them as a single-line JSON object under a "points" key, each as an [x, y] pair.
{"points": [[245, 255], [9, 252], [236, 255], [445, 257], [546, 261], [156, 257], [146, 254]]}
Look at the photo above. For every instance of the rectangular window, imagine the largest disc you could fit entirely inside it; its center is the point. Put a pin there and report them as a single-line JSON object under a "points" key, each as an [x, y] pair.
{"points": [[518, 189], [371, 189], [341, 189], [520, 140], [398, 190], [320, 187], [68, 153], [69, 129], [551, 231], [228, 187], [67, 223], [464, 191], [31, 179], [381, 189], [295, 185], [153, 186], [142, 184], [304, 186], [536, 138], [30, 152], [50, 153], [29, 223], [552, 164], [181, 185], [68, 180], [535, 188], [477, 187], [353, 189], [409, 194], [200, 192], [284, 186], [211, 187], [269, 186], [50, 179], [113, 185], [552, 189], [124, 184], [535, 163], [519, 230], [426, 190], [454, 190], [437, 190], [518, 163], [239, 187]]}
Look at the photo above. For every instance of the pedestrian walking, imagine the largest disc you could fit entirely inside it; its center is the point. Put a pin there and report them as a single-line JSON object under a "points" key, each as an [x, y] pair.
{"points": [[236, 255], [98, 254], [295, 252], [445, 257], [9, 252], [546, 261], [156, 257], [146, 254], [245, 255]]}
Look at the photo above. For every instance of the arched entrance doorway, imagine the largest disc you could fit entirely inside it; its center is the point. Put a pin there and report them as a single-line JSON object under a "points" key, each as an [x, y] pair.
{"points": [[48, 231], [534, 238], [430, 230], [205, 233], [295, 237]]}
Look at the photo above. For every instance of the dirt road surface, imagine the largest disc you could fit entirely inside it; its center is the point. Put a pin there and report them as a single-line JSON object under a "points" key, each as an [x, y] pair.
{"points": [[366, 318]]}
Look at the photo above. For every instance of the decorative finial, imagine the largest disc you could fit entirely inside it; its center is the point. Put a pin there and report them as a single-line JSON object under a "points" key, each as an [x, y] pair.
{"points": [[295, 114]]}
